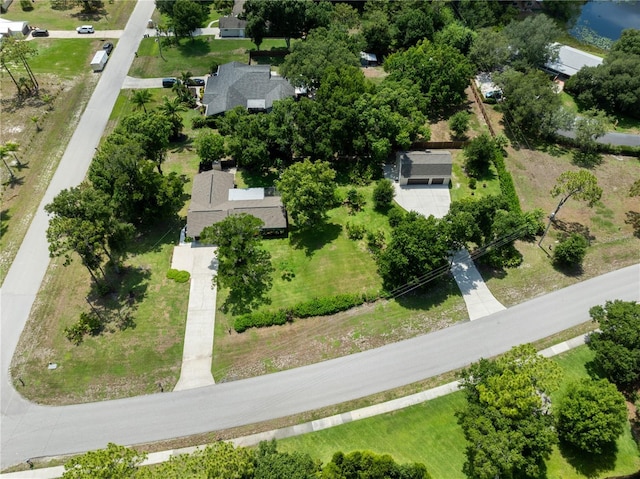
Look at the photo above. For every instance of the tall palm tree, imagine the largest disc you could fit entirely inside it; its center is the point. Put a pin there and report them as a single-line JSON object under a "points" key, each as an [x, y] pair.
{"points": [[141, 97], [171, 107]]}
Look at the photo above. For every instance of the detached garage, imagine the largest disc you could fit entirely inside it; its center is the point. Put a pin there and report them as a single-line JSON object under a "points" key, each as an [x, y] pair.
{"points": [[427, 167]]}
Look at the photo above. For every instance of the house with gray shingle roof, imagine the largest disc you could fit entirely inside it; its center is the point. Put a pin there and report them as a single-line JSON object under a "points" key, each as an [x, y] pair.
{"points": [[254, 87], [214, 197], [427, 167]]}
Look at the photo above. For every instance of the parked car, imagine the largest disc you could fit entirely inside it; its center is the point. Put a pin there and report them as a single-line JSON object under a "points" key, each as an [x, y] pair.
{"points": [[195, 82], [39, 32], [169, 82], [85, 29], [108, 47]]}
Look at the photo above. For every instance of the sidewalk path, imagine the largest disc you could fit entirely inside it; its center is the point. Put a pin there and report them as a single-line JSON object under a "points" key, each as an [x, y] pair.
{"points": [[435, 200], [201, 263], [313, 426]]}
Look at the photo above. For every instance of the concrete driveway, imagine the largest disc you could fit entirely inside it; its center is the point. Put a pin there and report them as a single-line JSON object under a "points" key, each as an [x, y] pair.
{"points": [[424, 199]]}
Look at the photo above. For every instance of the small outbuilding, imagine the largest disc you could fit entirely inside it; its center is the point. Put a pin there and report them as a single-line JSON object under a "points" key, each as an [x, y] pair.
{"points": [[425, 167], [571, 60], [214, 197], [368, 59], [10, 28]]}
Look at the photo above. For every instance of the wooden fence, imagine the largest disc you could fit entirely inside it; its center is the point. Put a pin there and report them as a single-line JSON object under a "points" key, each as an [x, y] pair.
{"points": [[479, 102], [428, 145]]}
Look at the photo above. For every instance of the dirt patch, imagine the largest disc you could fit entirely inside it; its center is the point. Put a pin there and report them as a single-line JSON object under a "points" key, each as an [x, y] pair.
{"points": [[374, 72]]}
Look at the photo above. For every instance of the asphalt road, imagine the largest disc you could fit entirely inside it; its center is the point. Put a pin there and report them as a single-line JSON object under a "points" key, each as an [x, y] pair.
{"points": [[610, 138], [32, 431]]}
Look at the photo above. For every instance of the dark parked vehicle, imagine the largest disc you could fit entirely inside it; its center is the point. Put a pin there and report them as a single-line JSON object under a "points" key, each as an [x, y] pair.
{"points": [[195, 82], [169, 82], [108, 47], [39, 32]]}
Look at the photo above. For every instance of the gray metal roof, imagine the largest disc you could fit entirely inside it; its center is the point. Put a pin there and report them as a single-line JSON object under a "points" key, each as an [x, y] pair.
{"points": [[231, 22], [570, 60], [237, 84], [424, 163], [211, 202]]}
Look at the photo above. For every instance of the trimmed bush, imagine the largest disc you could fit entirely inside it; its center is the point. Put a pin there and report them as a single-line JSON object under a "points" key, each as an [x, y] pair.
{"points": [[507, 187], [178, 276], [260, 319], [355, 232], [395, 215], [571, 251], [383, 194]]}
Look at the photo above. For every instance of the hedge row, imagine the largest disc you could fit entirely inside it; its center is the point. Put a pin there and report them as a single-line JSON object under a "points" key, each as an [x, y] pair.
{"points": [[507, 187], [315, 307]]}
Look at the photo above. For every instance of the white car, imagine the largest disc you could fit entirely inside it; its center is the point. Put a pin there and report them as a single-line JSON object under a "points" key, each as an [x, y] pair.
{"points": [[85, 29]]}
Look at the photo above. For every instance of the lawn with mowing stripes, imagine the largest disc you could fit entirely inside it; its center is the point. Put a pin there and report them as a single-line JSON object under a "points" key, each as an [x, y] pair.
{"points": [[429, 433]]}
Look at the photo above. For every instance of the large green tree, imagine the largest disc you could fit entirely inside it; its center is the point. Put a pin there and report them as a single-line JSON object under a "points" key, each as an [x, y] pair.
{"points": [[243, 265], [507, 421], [589, 126], [441, 72], [416, 248], [592, 415], [489, 50], [322, 48], [478, 155], [532, 41], [617, 344], [532, 104], [209, 147], [186, 16], [84, 221], [308, 191], [149, 130]]}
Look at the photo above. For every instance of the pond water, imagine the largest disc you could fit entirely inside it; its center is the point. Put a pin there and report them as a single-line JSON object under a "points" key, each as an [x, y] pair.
{"points": [[603, 21]]}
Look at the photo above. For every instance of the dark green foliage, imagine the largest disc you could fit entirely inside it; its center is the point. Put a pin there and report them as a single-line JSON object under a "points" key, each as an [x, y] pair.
{"points": [[532, 103], [478, 154], [592, 415], [260, 319], [243, 265], [507, 423], [354, 231], [416, 247], [178, 276], [26, 5], [376, 241], [395, 215], [441, 72], [472, 183], [271, 464], [113, 462], [186, 16], [486, 14], [532, 41], [489, 51], [613, 86], [459, 124], [617, 345], [571, 251], [383, 194], [89, 323], [366, 464], [354, 201], [507, 188]]}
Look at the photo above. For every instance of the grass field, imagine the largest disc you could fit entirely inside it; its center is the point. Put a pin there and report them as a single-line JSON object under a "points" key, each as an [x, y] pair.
{"points": [[429, 433], [195, 55], [68, 58], [112, 16]]}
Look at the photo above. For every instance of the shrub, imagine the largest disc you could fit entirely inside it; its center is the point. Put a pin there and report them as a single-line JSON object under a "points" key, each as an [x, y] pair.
{"points": [[327, 305], [260, 319], [472, 183], [376, 241], [26, 5], [355, 232], [459, 124], [355, 201], [178, 276], [89, 323], [571, 251], [199, 122], [383, 194], [395, 215], [507, 187]]}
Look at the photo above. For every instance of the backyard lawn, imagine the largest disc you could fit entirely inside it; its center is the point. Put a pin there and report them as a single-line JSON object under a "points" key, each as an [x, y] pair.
{"points": [[429, 433]]}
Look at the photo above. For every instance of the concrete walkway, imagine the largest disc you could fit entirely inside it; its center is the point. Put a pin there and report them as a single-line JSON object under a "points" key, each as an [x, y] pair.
{"points": [[201, 263], [479, 300], [313, 426]]}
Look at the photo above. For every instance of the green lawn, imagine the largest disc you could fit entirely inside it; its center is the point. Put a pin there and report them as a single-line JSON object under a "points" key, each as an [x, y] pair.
{"points": [[113, 15], [65, 57], [429, 433], [195, 55], [485, 186]]}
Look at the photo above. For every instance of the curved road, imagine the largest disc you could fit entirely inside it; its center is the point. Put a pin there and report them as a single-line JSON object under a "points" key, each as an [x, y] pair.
{"points": [[29, 430]]}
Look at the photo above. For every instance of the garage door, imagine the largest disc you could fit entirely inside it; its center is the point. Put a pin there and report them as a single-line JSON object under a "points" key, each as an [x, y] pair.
{"points": [[418, 181], [437, 181]]}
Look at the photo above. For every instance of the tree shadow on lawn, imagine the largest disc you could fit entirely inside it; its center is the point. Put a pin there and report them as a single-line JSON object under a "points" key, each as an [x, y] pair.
{"points": [[313, 239], [571, 227], [153, 237], [4, 221], [588, 464], [259, 179], [179, 146], [193, 47], [430, 295]]}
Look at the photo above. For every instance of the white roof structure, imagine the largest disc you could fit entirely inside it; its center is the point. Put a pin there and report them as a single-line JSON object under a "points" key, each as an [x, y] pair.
{"points": [[570, 60], [10, 27]]}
